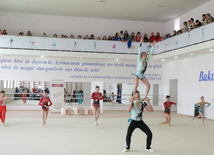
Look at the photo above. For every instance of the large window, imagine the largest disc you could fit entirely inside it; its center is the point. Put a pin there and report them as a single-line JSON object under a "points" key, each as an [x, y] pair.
{"points": [[177, 24], [5, 84]]}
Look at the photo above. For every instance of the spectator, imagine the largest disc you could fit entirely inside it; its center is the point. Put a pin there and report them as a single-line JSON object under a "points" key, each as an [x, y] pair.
{"points": [[189, 22], [55, 35], [158, 37], [174, 33], [198, 24], [168, 36], [79, 37], [66, 36], [71, 36], [210, 19], [109, 37], [4, 32], [133, 37], [192, 24], [0, 32], [62, 36], [104, 38], [185, 28], [92, 37], [138, 37], [117, 37], [20, 33], [44, 35], [126, 36], [145, 38], [98, 38], [178, 32], [112, 38], [86, 37], [152, 37], [204, 19], [121, 35], [29, 33]]}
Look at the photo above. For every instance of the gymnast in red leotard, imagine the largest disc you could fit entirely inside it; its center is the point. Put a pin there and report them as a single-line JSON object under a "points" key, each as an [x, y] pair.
{"points": [[45, 107], [167, 108], [96, 96]]}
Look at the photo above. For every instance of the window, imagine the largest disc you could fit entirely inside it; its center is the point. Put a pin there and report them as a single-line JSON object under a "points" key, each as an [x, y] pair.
{"points": [[11, 84], [177, 24], [5, 84], [8, 84]]}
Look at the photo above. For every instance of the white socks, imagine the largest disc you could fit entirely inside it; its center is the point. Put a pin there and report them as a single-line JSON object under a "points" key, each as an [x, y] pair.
{"points": [[150, 150], [125, 150]]}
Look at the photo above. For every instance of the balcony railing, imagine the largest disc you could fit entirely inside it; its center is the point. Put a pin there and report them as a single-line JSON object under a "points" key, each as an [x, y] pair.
{"points": [[199, 35]]}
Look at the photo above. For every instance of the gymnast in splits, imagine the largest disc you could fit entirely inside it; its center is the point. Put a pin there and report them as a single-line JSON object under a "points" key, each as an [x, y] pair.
{"points": [[45, 107], [200, 107], [142, 66], [167, 107], [96, 96], [137, 106]]}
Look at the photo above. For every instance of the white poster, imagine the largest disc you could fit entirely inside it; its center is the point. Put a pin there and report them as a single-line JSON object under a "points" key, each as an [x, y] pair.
{"points": [[57, 95], [74, 69]]}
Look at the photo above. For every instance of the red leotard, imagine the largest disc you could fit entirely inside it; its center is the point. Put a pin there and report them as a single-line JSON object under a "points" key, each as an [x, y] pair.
{"points": [[167, 106], [2, 109], [96, 96], [44, 101]]}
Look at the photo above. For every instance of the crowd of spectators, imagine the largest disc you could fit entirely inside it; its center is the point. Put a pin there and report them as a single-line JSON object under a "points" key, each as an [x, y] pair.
{"points": [[125, 36], [36, 93], [191, 24]]}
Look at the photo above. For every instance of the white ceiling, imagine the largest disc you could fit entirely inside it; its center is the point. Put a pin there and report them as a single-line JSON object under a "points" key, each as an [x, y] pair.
{"points": [[140, 10]]}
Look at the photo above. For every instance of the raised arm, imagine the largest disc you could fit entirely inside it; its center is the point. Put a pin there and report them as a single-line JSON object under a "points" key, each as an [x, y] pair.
{"points": [[130, 105], [150, 54], [149, 106]]}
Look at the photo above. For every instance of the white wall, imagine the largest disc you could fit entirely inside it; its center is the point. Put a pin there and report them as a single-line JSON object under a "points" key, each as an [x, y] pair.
{"points": [[51, 24], [195, 13], [187, 71]]}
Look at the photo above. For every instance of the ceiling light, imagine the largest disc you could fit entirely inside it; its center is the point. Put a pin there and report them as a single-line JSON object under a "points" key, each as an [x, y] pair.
{"points": [[176, 57], [211, 50], [116, 59], [42, 56], [162, 60], [191, 54]]}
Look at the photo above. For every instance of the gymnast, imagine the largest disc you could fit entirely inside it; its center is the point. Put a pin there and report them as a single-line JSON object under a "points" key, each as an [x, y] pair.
{"points": [[136, 106], [142, 66], [167, 108], [45, 107], [200, 107]]}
